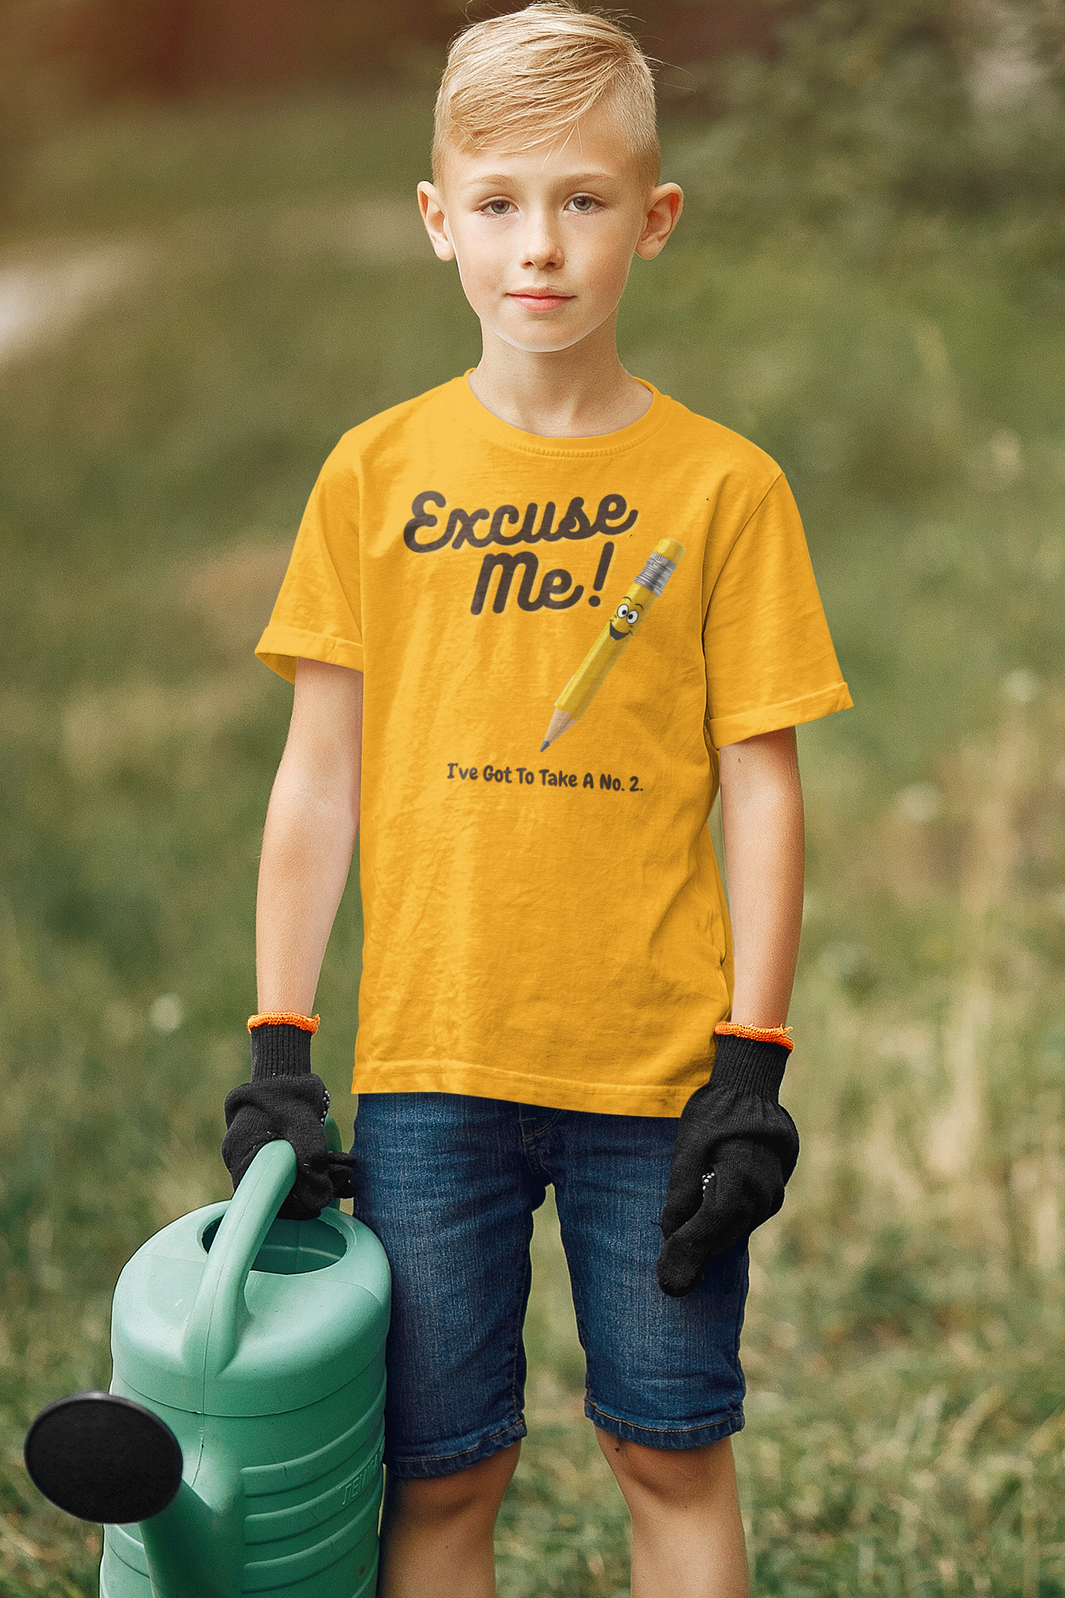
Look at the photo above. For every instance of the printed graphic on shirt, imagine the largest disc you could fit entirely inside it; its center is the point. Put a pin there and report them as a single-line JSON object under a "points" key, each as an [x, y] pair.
{"points": [[556, 590], [608, 648], [612, 517], [521, 777]]}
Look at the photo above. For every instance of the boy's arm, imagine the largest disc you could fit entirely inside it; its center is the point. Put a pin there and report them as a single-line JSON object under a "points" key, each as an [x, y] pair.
{"points": [[736, 1146], [309, 837], [310, 832], [762, 827]]}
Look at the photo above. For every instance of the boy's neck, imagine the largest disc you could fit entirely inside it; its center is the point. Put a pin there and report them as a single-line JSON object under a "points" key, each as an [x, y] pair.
{"points": [[581, 392]]}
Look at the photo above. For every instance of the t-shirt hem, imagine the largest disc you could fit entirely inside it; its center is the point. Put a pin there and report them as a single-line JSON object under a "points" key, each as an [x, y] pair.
{"points": [[479, 1082], [789, 713], [280, 648]]}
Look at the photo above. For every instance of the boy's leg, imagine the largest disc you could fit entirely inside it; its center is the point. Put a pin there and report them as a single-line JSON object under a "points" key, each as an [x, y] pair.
{"points": [[665, 1387], [437, 1536], [444, 1183], [687, 1534]]}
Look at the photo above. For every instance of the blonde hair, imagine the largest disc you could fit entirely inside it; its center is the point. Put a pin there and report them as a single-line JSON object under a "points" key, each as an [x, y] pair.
{"points": [[524, 79]]}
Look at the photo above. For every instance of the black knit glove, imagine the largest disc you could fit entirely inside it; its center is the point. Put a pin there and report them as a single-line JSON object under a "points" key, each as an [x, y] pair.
{"points": [[735, 1149], [284, 1099]]}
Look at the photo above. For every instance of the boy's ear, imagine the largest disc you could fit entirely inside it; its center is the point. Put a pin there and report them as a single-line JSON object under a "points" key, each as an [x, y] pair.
{"points": [[663, 213], [431, 204]]}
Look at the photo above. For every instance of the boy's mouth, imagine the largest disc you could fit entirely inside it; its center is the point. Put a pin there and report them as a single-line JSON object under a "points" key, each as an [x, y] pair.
{"points": [[539, 299]]}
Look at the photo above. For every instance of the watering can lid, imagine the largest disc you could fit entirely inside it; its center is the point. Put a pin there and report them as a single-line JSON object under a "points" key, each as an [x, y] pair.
{"points": [[203, 1332]]}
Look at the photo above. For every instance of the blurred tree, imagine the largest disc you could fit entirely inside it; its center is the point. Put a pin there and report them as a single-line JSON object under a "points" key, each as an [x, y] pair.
{"points": [[815, 105], [173, 47], [60, 58], [869, 111], [34, 89]]}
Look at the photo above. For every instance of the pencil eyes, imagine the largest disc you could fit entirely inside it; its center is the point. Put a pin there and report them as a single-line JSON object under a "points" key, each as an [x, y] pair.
{"points": [[625, 614]]}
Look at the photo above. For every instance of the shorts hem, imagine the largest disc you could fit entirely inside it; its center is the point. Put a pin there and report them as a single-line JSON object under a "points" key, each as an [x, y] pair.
{"points": [[422, 1466], [661, 1436]]}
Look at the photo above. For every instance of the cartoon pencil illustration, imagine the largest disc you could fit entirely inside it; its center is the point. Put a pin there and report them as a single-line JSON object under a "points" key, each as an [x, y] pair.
{"points": [[609, 647]]}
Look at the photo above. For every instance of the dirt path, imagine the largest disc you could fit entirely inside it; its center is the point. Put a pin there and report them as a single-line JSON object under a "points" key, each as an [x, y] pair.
{"points": [[44, 294]]}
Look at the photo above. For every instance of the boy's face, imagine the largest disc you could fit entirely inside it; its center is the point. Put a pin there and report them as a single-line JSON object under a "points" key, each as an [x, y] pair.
{"points": [[544, 237]]}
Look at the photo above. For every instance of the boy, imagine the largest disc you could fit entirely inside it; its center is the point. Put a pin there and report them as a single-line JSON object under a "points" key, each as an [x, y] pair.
{"points": [[547, 950]]}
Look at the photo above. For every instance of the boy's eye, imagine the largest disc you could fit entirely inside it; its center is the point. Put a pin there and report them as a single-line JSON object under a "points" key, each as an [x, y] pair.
{"points": [[584, 203], [496, 207]]}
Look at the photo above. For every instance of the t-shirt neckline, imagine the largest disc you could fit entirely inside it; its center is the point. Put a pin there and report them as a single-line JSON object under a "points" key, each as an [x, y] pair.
{"points": [[485, 422]]}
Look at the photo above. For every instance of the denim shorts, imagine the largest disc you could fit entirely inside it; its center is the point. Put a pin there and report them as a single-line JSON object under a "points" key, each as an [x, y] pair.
{"points": [[449, 1184]]}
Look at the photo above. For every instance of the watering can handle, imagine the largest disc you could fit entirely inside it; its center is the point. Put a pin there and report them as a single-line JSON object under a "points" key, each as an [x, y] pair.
{"points": [[219, 1311]]}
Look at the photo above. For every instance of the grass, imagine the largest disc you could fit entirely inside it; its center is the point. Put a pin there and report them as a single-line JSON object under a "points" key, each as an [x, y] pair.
{"points": [[907, 1407]]}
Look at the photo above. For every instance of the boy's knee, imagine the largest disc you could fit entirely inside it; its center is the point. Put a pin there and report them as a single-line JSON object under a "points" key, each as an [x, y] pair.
{"points": [[472, 1492], [675, 1475]]}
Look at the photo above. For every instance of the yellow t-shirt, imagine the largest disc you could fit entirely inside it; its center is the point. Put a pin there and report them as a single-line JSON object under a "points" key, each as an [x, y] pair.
{"points": [[548, 928]]}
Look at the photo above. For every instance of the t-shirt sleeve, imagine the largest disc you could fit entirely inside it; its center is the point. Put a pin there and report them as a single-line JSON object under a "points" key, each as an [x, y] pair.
{"points": [[317, 613], [769, 656]]}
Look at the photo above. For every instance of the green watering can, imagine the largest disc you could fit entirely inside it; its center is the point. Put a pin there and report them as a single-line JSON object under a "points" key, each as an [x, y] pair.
{"points": [[239, 1449]]}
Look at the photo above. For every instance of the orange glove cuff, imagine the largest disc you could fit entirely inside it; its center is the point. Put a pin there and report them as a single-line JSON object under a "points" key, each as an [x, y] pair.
{"points": [[306, 1023], [757, 1034]]}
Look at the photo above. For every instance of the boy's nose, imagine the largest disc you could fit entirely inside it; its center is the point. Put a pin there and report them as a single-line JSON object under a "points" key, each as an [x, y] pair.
{"points": [[541, 248]]}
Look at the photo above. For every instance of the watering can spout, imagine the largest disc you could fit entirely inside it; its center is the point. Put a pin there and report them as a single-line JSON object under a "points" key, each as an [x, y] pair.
{"points": [[195, 1547]]}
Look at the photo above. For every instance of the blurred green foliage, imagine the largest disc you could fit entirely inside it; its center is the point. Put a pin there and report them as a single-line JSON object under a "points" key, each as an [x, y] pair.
{"points": [[226, 289], [873, 116]]}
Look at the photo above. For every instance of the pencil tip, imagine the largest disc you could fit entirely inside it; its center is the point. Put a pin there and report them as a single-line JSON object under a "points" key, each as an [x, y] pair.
{"points": [[545, 745]]}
